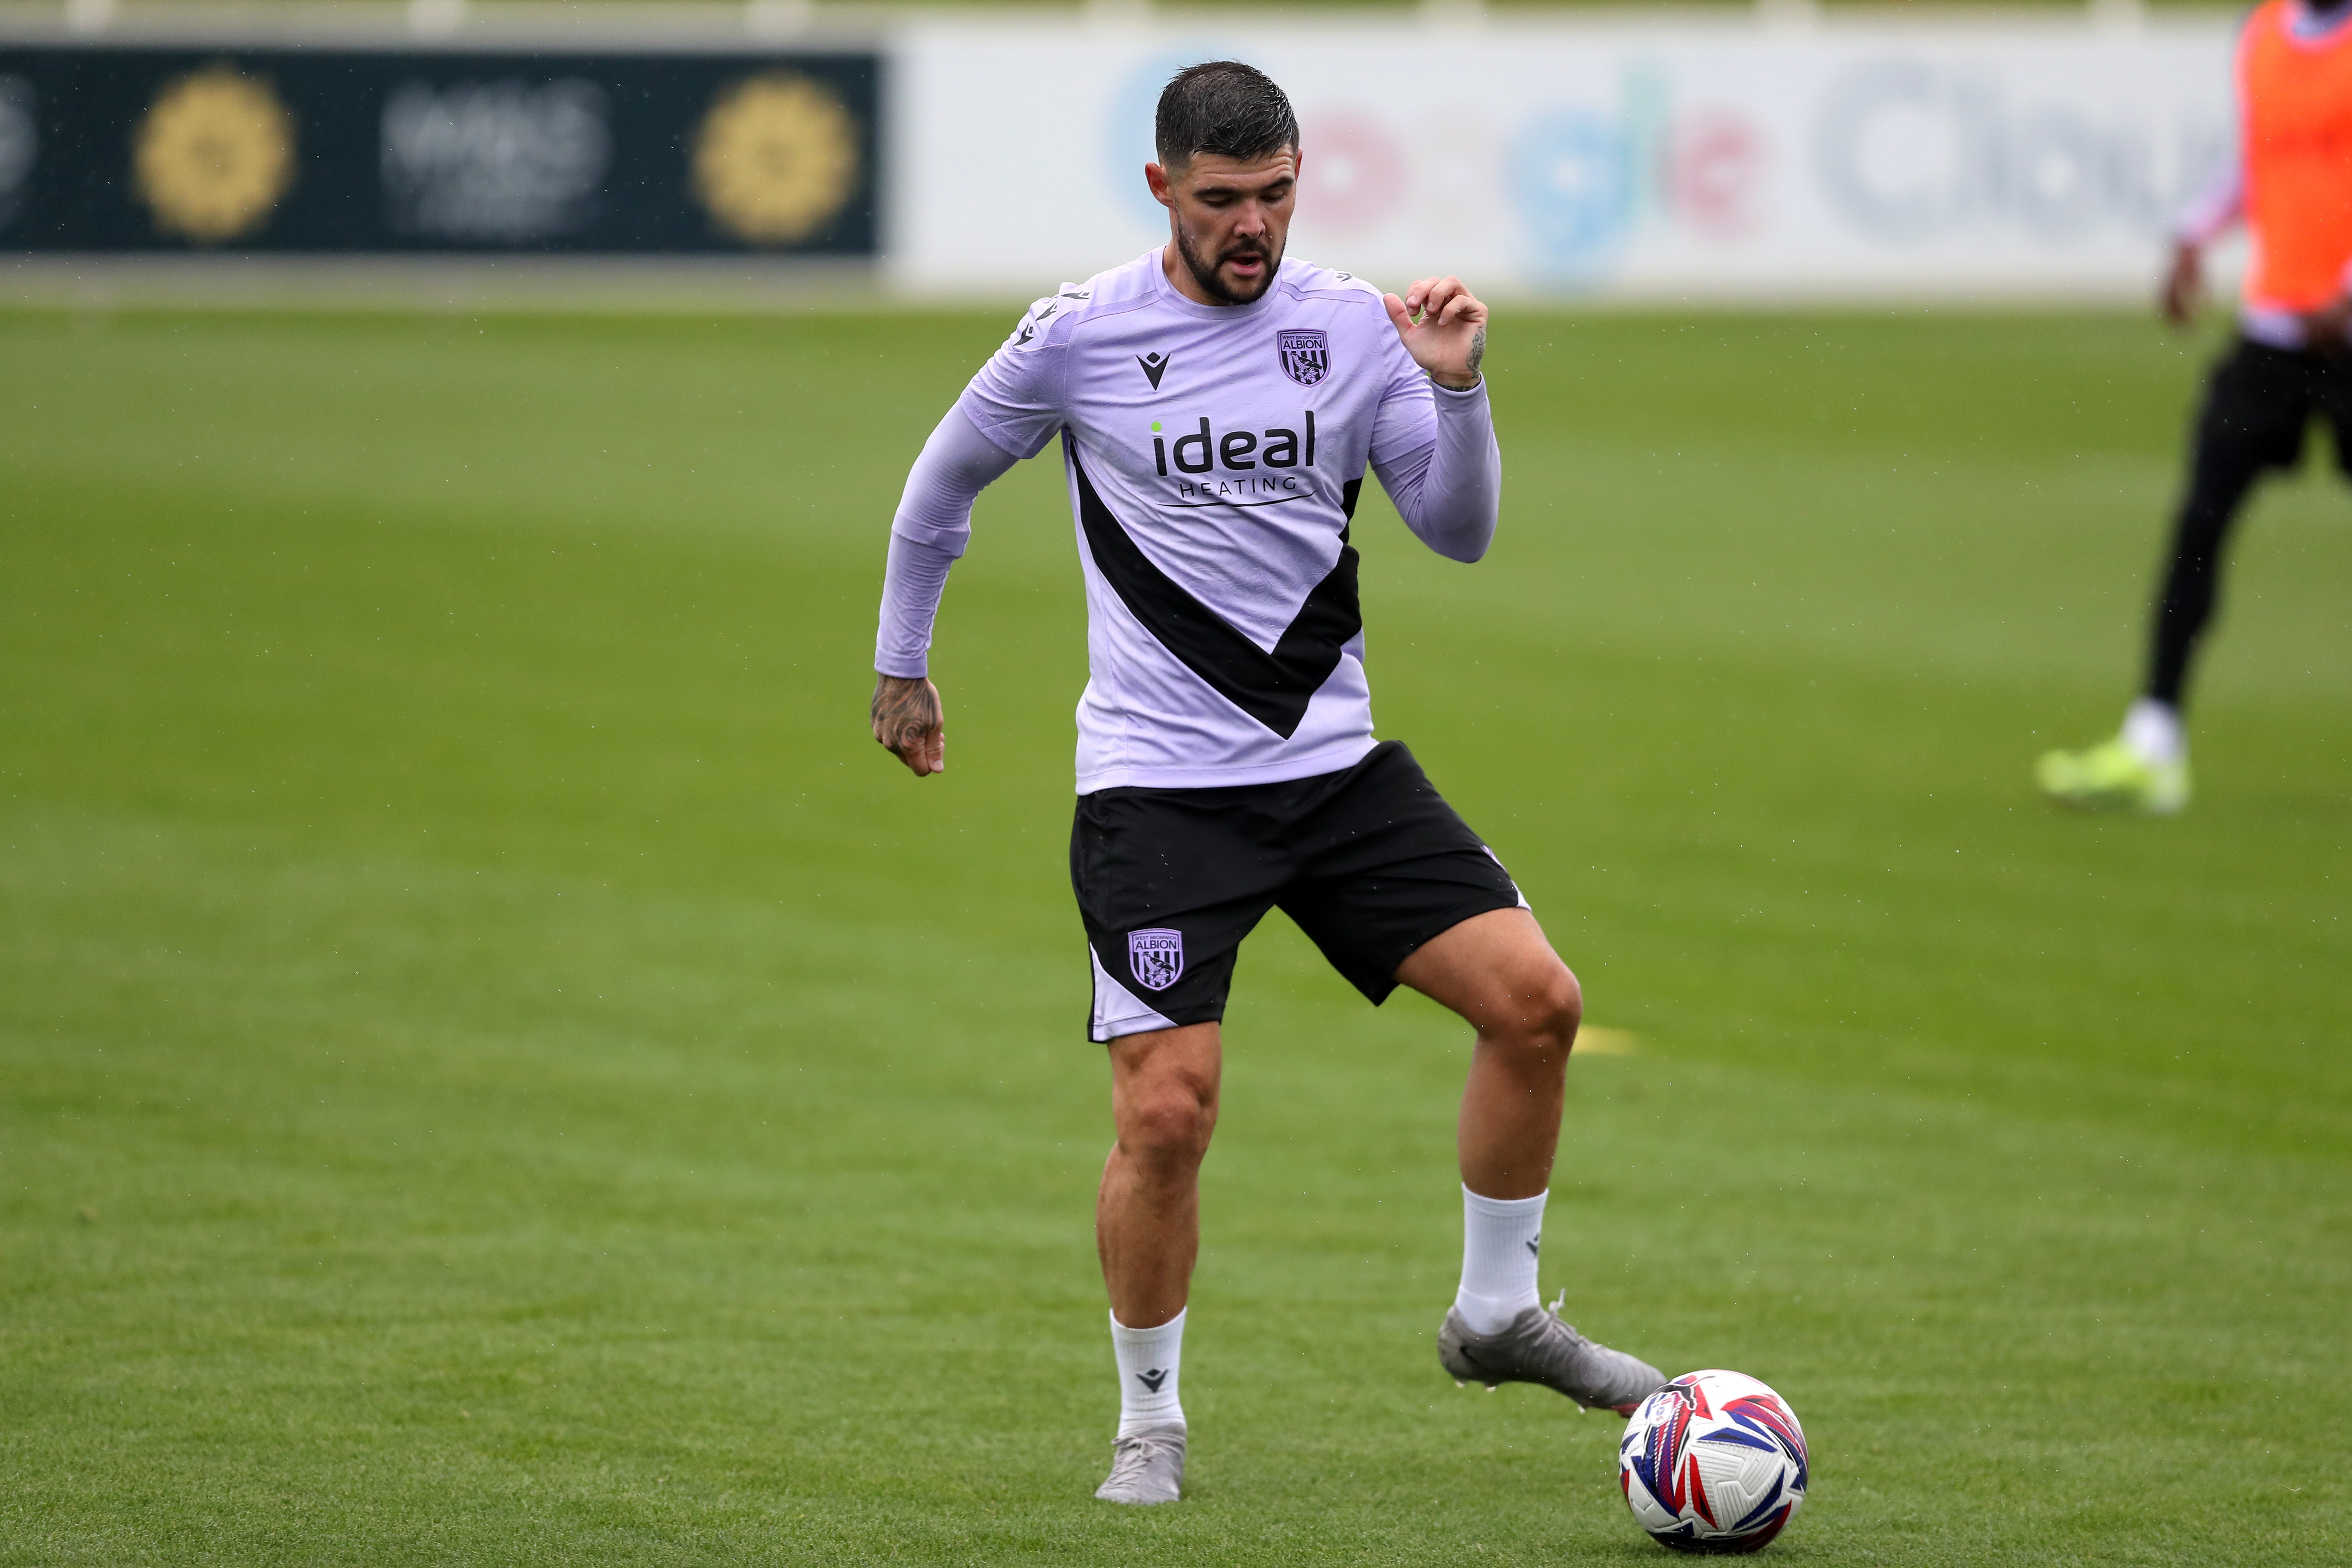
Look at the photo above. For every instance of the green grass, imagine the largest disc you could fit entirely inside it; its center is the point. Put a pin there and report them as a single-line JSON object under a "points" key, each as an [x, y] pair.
{"points": [[495, 1067]]}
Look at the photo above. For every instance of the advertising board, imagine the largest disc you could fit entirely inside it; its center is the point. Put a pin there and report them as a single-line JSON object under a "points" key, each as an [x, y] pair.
{"points": [[993, 157], [324, 149], [1665, 160]]}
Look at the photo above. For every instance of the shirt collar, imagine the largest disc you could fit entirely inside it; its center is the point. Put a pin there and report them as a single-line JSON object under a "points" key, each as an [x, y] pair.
{"points": [[1184, 304]]}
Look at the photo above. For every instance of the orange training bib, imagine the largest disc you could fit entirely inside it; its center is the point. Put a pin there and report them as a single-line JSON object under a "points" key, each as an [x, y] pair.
{"points": [[2296, 99]]}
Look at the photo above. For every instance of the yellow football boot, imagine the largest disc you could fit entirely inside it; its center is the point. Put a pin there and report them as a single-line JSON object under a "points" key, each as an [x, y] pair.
{"points": [[2113, 777]]}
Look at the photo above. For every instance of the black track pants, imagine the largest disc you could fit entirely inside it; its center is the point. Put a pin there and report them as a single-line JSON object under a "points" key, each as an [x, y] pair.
{"points": [[2259, 401]]}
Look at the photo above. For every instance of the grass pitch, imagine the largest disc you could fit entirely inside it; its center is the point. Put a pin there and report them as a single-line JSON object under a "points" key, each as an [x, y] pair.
{"points": [[495, 1067]]}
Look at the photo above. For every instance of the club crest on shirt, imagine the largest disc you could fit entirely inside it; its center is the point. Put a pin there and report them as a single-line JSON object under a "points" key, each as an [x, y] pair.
{"points": [[1306, 354], [1157, 957]]}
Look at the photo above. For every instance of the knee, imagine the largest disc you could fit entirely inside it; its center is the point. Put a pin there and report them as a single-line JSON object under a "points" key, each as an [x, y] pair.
{"points": [[1558, 1009], [1538, 1022], [1167, 1126], [1565, 1004]]}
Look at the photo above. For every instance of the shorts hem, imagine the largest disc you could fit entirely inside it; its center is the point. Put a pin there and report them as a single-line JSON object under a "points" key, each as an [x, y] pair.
{"points": [[1486, 903], [1158, 1021]]}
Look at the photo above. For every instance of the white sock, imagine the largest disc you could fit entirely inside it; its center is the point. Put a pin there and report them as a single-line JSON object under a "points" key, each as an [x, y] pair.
{"points": [[1148, 1359], [1499, 1238], [2152, 730]]}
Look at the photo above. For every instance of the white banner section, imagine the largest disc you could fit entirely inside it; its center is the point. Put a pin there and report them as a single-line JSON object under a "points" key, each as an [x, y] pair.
{"points": [[1647, 161]]}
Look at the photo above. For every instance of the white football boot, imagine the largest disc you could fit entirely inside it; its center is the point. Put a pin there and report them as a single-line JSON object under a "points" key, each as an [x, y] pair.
{"points": [[1537, 1347], [1147, 1466]]}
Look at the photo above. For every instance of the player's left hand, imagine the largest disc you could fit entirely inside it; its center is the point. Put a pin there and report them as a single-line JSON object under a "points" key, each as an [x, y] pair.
{"points": [[1443, 326]]}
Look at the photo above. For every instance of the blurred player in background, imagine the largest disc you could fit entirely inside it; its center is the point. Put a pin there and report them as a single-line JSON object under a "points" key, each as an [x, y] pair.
{"points": [[1218, 404], [2292, 184]]}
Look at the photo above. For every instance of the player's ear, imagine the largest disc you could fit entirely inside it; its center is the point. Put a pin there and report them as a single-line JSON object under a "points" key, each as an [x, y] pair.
{"points": [[1157, 178]]}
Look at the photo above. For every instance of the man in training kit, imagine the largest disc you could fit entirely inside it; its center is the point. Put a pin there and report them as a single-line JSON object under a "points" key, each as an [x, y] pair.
{"points": [[1217, 405], [2292, 183]]}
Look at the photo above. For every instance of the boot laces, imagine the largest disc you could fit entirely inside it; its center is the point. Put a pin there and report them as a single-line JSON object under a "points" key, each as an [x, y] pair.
{"points": [[1135, 1453]]}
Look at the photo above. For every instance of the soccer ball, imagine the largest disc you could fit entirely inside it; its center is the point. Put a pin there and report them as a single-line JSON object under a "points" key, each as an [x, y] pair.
{"points": [[1715, 1461]]}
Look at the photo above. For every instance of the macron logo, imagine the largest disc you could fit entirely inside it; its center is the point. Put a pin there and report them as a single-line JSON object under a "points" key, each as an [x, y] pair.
{"points": [[1155, 365], [1152, 1379]]}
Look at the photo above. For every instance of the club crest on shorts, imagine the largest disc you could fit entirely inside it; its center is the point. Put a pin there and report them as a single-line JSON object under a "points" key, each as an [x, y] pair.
{"points": [[1306, 354], [1157, 957]]}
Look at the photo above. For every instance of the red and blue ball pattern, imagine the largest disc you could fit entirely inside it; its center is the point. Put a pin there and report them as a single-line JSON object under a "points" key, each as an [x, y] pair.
{"points": [[1713, 1462]]}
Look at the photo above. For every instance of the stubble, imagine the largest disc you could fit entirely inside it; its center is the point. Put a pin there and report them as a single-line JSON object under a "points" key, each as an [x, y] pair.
{"points": [[1212, 283]]}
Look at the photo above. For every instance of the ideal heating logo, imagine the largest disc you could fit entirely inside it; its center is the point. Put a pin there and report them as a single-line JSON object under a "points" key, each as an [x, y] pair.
{"points": [[1256, 461]]}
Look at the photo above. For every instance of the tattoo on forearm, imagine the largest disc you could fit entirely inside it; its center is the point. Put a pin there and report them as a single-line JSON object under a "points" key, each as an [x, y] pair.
{"points": [[904, 711], [1477, 348]]}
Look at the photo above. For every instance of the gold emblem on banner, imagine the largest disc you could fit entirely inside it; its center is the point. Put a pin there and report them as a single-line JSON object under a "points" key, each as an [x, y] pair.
{"points": [[213, 155], [777, 158]]}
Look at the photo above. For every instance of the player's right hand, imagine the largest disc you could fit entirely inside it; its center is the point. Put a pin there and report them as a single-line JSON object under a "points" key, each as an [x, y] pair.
{"points": [[907, 722], [2184, 281], [2325, 329]]}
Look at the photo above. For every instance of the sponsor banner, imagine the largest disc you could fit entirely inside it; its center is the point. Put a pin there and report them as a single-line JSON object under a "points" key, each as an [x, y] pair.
{"points": [[128, 148], [1730, 159]]}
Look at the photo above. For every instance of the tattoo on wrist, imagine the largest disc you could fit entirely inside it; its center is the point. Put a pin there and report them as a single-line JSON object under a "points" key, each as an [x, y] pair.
{"points": [[904, 710], [1477, 350]]}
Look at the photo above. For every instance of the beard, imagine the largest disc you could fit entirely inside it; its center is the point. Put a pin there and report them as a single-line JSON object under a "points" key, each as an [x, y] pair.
{"points": [[1208, 276]]}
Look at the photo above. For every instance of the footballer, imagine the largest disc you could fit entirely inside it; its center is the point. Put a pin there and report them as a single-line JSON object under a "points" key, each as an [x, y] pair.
{"points": [[2290, 183], [1217, 404]]}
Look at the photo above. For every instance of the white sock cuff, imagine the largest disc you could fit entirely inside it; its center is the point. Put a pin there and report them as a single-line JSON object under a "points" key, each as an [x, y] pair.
{"points": [[1504, 1208], [2154, 734], [1140, 1338]]}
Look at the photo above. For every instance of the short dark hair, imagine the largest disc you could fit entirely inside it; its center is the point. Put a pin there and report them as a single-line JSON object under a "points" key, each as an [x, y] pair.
{"points": [[1223, 107]]}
